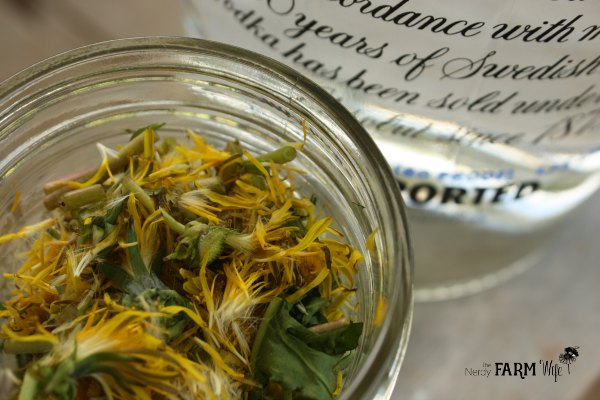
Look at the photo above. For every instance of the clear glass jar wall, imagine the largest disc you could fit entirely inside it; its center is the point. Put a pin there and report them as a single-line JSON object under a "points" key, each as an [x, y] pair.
{"points": [[52, 114]]}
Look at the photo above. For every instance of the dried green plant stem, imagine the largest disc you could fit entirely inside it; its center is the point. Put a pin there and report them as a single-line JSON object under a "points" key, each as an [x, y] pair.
{"points": [[79, 198], [85, 303], [18, 347], [282, 155], [257, 181], [52, 200], [329, 326], [28, 388], [56, 189], [172, 223], [139, 193]]}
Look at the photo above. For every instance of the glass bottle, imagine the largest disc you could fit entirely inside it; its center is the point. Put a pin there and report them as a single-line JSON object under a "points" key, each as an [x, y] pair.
{"points": [[487, 111]]}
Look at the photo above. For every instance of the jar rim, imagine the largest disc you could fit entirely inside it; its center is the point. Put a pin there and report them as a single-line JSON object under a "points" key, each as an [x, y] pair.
{"points": [[368, 379]]}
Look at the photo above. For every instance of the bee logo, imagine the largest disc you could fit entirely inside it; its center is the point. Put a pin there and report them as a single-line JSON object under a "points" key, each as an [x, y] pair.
{"points": [[569, 356]]}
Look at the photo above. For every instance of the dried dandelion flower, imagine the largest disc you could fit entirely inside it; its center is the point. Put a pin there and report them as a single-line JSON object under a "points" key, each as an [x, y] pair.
{"points": [[178, 270]]}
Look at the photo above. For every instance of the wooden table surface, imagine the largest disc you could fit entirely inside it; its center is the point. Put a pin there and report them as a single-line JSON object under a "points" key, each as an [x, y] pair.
{"points": [[533, 317]]}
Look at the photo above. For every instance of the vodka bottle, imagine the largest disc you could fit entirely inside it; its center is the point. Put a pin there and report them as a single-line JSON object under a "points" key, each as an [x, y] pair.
{"points": [[488, 112]]}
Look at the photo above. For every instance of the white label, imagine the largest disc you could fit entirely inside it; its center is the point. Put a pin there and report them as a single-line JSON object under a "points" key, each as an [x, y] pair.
{"points": [[525, 73]]}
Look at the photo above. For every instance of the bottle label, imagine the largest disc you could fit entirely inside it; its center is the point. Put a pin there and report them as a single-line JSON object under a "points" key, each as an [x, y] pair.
{"points": [[496, 99]]}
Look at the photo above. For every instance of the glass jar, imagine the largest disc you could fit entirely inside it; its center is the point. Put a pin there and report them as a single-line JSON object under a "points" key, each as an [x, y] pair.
{"points": [[53, 114]]}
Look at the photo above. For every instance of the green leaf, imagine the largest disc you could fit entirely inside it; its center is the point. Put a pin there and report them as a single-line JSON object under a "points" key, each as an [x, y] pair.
{"points": [[309, 310], [23, 360], [300, 231], [90, 364], [50, 382], [255, 394], [113, 213], [173, 325], [121, 279], [157, 261], [335, 342], [138, 267], [280, 355], [103, 363], [143, 277], [141, 130], [98, 222], [54, 233]]}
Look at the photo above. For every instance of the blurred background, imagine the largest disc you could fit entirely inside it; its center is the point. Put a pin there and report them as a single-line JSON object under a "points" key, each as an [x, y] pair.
{"points": [[32, 30], [531, 318]]}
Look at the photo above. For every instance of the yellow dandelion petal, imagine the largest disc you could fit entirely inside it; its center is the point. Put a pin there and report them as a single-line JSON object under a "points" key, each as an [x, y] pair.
{"points": [[380, 311], [257, 164], [16, 201], [218, 360], [190, 368], [43, 336], [101, 172], [198, 140], [312, 234], [206, 290], [27, 230], [281, 216], [303, 204], [122, 333], [141, 393], [335, 232], [194, 316], [169, 170], [133, 211], [307, 288], [235, 201], [89, 256], [338, 384], [249, 189], [370, 243], [149, 140], [260, 234], [193, 202], [110, 303], [340, 296], [304, 135]]}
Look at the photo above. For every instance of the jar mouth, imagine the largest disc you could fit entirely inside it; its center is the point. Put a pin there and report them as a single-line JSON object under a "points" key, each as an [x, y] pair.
{"points": [[23, 93]]}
